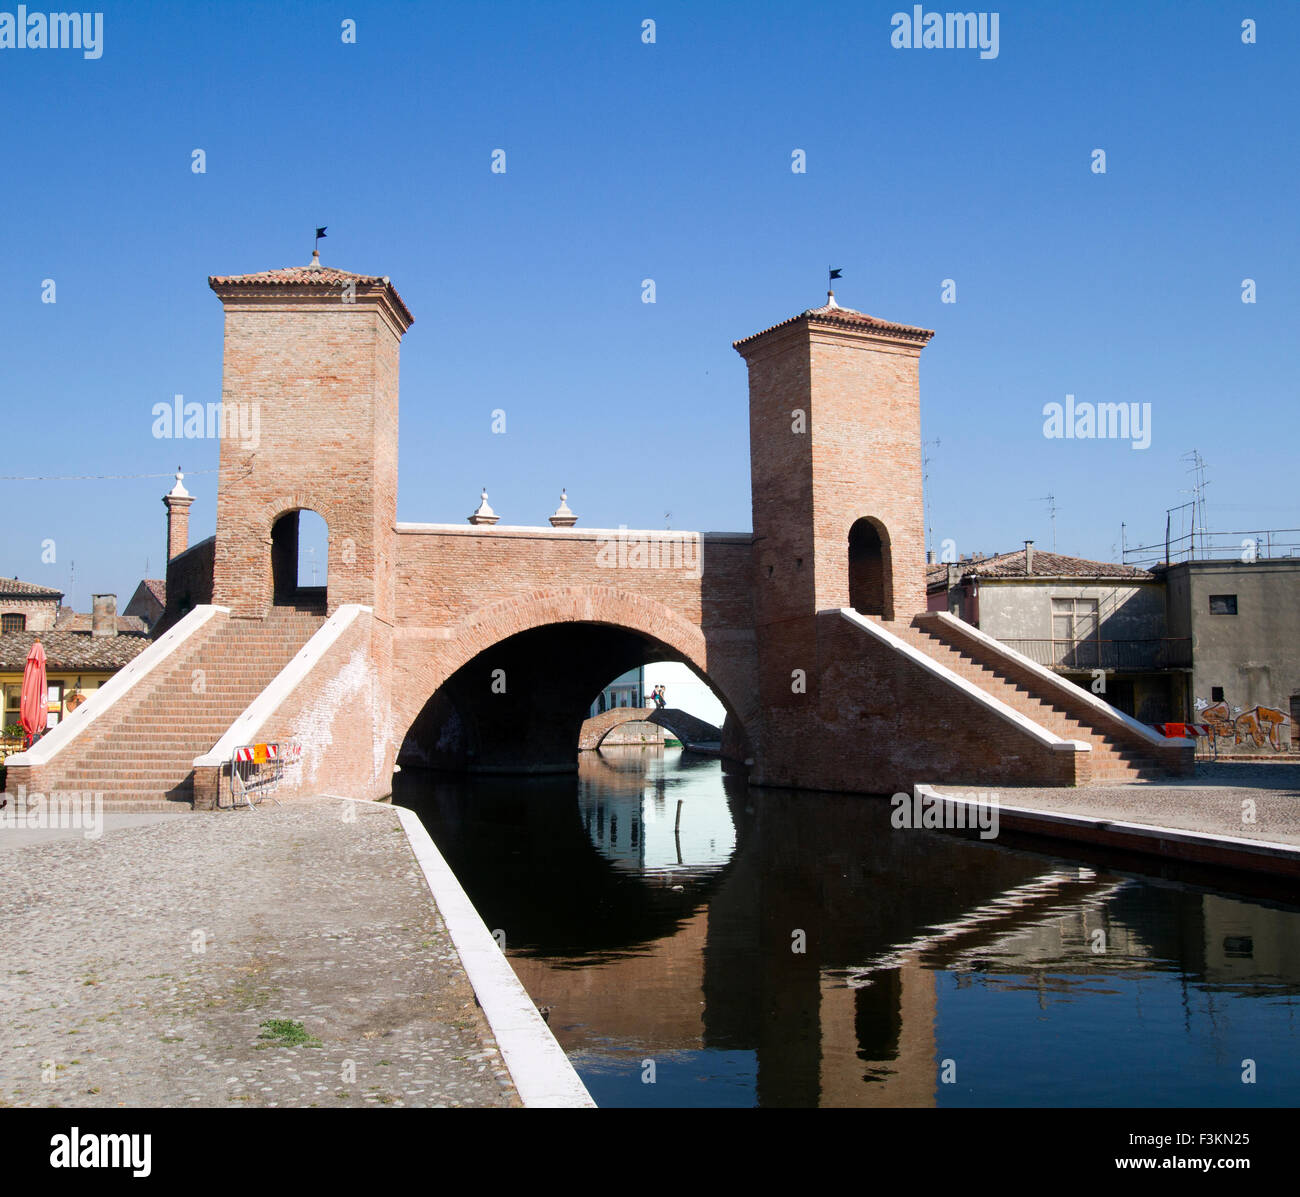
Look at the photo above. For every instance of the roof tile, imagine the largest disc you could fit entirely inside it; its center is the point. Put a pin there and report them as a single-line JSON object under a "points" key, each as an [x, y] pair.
{"points": [[1046, 565], [72, 650], [838, 317], [13, 588], [313, 276]]}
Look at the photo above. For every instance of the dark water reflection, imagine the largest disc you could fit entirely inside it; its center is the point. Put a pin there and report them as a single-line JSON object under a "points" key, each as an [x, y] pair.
{"points": [[657, 907]]}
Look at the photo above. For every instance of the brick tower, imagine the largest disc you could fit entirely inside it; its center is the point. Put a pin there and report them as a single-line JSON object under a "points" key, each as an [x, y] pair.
{"points": [[309, 422], [835, 473], [835, 460]]}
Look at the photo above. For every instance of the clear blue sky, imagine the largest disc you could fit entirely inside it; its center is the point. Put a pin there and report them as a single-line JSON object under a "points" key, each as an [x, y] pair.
{"points": [[668, 161]]}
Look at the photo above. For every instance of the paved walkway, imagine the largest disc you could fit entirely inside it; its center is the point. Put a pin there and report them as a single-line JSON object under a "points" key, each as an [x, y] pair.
{"points": [[1211, 802], [302, 917]]}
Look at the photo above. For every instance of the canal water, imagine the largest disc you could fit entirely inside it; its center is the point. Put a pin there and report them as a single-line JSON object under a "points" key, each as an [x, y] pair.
{"points": [[695, 942]]}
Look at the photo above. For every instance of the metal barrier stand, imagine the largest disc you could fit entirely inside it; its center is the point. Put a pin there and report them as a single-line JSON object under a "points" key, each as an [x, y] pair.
{"points": [[256, 771]]}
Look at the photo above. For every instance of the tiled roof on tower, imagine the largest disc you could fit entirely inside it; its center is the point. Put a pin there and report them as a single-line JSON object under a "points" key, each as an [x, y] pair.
{"points": [[834, 316], [311, 277]]}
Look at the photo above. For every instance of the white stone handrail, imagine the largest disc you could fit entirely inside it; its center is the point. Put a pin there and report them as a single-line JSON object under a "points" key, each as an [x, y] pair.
{"points": [[117, 687], [245, 729], [994, 705]]}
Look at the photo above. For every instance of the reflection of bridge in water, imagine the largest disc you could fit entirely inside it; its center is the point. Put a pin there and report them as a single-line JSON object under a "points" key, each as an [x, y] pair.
{"points": [[638, 948]]}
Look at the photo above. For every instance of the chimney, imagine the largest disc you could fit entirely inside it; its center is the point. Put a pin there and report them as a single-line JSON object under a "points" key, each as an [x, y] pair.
{"points": [[103, 615], [177, 501], [1029, 558], [929, 556]]}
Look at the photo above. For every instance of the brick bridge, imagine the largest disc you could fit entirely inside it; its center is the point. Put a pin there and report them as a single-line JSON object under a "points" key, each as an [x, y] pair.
{"points": [[685, 726], [482, 646]]}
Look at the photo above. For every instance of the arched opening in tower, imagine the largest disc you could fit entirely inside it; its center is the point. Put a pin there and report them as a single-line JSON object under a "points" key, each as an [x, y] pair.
{"points": [[870, 575], [300, 561]]}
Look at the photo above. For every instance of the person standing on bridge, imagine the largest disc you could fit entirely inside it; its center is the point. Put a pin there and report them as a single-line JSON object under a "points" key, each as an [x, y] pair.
{"points": [[659, 697]]}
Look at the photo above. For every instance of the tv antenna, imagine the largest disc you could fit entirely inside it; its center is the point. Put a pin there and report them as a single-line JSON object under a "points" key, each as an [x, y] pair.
{"points": [[1050, 500], [1199, 483], [926, 458]]}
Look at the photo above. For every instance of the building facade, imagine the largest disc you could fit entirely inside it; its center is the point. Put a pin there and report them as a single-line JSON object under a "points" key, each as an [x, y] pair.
{"points": [[81, 653], [1099, 624], [1243, 622]]}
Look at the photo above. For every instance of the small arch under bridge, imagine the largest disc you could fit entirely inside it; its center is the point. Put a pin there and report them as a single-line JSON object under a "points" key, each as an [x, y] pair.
{"points": [[686, 727]]}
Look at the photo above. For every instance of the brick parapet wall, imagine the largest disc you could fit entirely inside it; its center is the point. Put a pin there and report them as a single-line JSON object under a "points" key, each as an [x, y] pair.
{"points": [[339, 713], [1176, 756], [873, 720], [460, 592]]}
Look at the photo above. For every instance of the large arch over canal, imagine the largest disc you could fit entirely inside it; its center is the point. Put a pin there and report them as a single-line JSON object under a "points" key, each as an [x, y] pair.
{"points": [[508, 688]]}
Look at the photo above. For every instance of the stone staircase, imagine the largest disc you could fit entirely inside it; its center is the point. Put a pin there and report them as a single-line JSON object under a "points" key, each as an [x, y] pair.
{"points": [[1120, 753], [140, 754]]}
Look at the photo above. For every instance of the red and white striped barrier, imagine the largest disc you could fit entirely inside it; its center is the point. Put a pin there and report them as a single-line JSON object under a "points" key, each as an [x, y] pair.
{"points": [[1185, 731], [256, 769]]}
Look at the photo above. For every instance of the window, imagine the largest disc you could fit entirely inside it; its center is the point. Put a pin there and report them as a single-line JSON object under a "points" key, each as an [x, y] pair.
{"points": [[1075, 630], [1074, 619], [1216, 693], [1223, 604], [13, 698], [13, 622]]}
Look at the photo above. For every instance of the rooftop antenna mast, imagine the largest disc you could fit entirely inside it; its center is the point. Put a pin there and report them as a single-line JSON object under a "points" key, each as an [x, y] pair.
{"points": [[926, 458], [1050, 500], [1199, 483]]}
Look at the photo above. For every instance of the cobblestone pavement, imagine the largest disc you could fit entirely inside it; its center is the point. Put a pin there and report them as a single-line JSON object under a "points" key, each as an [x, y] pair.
{"points": [[1210, 802], [301, 915]]}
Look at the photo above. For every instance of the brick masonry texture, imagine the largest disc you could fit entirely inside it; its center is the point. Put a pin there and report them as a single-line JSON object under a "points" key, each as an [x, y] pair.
{"points": [[40, 613], [835, 441], [322, 377]]}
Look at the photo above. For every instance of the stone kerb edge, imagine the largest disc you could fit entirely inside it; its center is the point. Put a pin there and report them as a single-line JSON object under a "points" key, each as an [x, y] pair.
{"points": [[541, 1071]]}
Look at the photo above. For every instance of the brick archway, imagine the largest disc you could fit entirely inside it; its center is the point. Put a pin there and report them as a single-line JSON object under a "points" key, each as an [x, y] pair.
{"points": [[685, 727], [421, 666], [871, 574], [258, 555]]}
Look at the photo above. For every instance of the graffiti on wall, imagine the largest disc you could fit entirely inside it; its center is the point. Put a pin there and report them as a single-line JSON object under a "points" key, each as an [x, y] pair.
{"points": [[1258, 725]]}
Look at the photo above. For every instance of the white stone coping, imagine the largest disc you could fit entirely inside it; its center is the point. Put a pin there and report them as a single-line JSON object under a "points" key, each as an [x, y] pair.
{"points": [[541, 1071], [1273, 849], [1114, 714], [116, 687], [994, 705], [520, 530], [244, 729]]}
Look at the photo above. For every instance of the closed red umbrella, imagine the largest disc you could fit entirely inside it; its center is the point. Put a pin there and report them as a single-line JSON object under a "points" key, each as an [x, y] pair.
{"points": [[33, 710]]}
